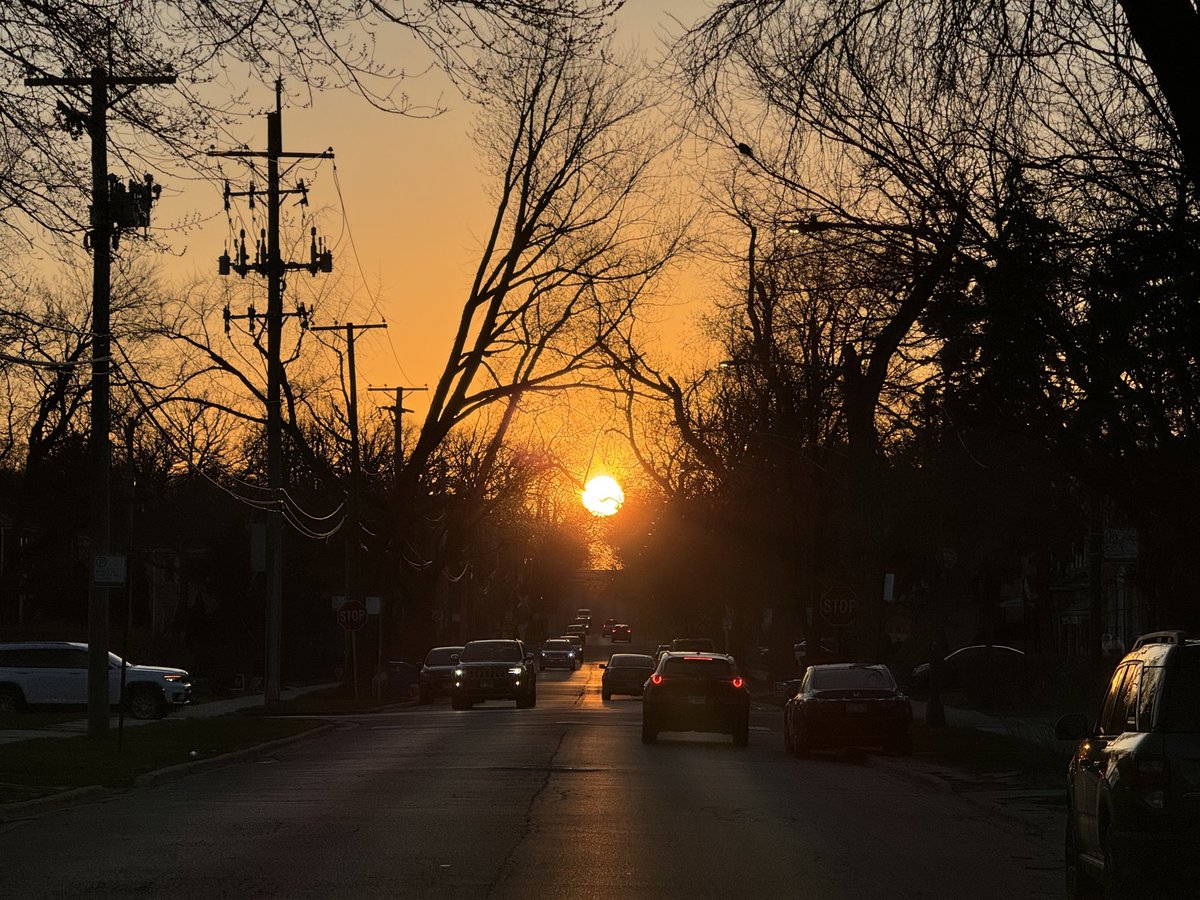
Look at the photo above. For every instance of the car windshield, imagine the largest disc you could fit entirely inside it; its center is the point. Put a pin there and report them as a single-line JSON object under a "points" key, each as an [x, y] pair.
{"points": [[850, 679], [441, 656], [630, 661], [1181, 711], [556, 645], [491, 651], [698, 666]]}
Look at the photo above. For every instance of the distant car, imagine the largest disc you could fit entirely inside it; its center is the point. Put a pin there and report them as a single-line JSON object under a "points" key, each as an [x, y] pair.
{"points": [[577, 641], [968, 667], [696, 692], [625, 673], [847, 705], [692, 645], [436, 676], [621, 633], [1133, 784], [606, 628], [55, 673], [494, 670], [557, 653], [583, 613], [576, 628], [580, 622]]}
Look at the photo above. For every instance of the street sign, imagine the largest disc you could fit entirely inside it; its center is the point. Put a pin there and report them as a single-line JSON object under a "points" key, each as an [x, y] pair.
{"points": [[839, 607], [108, 570], [352, 615]]}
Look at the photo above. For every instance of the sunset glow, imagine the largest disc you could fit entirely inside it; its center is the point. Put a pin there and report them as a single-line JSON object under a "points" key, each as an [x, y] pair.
{"points": [[603, 496]]}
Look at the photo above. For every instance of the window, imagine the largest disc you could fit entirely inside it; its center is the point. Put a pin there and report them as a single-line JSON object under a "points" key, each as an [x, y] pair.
{"points": [[1114, 717], [698, 667], [1148, 693], [850, 679]]}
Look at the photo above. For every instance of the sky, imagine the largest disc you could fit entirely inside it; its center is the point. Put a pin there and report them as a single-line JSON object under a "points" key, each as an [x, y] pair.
{"points": [[415, 205]]}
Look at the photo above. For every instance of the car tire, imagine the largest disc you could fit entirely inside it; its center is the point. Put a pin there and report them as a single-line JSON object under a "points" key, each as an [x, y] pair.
{"points": [[649, 732], [459, 703], [145, 702], [605, 694], [789, 745], [11, 700], [741, 733]]}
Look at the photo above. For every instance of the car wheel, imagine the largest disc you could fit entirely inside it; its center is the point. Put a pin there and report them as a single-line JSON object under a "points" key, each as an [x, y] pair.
{"points": [[741, 733], [606, 694], [901, 745], [789, 745], [649, 732], [11, 700], [145, 703]]}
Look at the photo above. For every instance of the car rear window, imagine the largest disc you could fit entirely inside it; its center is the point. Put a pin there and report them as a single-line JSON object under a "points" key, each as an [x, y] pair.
{"points": [[440, 656], [851, 680], [698, 666], [630, 661], [1181, 699], [491, 651]]}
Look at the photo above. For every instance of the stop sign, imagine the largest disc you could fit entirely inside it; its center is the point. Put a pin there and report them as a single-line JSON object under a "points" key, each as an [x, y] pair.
{"points": [[839, 607], [352, 615]]}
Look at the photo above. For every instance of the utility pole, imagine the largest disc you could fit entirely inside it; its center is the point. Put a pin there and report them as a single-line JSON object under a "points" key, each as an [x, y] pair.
{"points": [[269, 263], [353, 563], [113, 208], [398, 410]]}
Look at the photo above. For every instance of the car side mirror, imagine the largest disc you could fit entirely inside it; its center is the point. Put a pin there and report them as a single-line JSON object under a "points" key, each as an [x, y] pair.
{"points": [[454, 657], [1071, 727], [604, 665]]}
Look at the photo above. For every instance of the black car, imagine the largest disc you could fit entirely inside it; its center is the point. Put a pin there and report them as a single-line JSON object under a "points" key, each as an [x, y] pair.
{"points": [[621, 633], [696, 692], [625, 673], [1133, 785], [847, 705], [494, 670], [436, 676], [970, 667], [558, 653]]}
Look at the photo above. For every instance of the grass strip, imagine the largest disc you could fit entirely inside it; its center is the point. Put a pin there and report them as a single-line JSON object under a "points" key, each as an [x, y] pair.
{"points": [[47, 765]]}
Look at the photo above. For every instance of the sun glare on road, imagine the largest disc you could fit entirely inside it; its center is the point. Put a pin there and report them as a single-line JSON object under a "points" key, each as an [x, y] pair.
{"points": [[603, 496]]}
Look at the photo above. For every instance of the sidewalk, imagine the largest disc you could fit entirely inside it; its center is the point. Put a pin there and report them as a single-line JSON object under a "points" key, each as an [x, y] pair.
{"points": [[1035, 730]]}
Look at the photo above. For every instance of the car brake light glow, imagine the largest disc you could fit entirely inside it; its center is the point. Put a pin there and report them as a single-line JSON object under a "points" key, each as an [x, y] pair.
{"points": [[656, 679], [738, 682]]}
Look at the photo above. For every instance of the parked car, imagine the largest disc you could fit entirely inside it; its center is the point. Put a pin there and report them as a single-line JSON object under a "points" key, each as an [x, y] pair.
{"points": [[692, 645], [969, 668], [621, 633], [437, 673], [1133, 785], [494, 670], [55, 673], [558, 653], [847, 705], [606, 628], [696, 692], [625, 673]]}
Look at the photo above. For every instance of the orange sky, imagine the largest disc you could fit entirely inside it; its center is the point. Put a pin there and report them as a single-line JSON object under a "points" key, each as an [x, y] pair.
{"points": [[416, 207]]}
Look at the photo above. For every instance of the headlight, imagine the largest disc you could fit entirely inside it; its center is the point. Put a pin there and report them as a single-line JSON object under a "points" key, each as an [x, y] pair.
{"points": [[516, 670], [571, 653], [458, 673]]}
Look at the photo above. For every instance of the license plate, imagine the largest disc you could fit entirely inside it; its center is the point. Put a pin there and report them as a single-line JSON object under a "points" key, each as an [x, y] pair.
{"points": [[856, 707], [698, 700], [485, 684]]}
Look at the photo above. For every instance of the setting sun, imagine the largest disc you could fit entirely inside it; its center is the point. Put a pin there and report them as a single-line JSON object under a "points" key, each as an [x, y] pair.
{"points": [[603, 496]]}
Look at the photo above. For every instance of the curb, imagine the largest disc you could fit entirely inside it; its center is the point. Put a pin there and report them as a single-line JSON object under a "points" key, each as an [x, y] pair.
{"points": [[173, 773], [12, 811]]}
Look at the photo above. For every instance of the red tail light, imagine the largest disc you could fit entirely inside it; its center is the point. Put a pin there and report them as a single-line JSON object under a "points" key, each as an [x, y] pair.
{"points": [[656, 679], [738, 682]]}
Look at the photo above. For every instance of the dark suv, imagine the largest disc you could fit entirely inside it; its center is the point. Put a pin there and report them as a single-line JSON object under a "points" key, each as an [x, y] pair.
{"points": [[696, 692], [1133, 785], [494, 670]]}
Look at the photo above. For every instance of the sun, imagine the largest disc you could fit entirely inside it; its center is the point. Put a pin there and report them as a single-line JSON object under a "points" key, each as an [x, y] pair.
{"points": [[603, 496]]}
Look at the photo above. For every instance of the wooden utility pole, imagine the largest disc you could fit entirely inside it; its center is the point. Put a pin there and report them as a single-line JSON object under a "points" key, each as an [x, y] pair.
{"points": [[398, 411], [106, 223], [273, 267]]}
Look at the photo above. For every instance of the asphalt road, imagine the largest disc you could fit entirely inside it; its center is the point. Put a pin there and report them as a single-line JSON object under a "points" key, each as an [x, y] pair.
{"points": [[561, 801]]}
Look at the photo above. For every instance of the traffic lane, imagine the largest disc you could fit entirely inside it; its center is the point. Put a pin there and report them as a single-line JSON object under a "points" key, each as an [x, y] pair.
{"points": [[693, 815]]}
